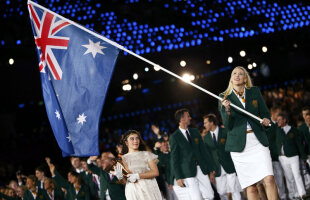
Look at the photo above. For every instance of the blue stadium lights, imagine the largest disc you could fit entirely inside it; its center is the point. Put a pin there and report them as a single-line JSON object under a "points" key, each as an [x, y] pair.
{"points": [[206, 24], [118, 99], [18, 42], [2, 42]]}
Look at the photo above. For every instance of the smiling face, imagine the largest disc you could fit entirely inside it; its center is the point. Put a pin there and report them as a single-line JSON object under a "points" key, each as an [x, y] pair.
{"points": [[238, 77], [133, 142], [39, 175], [207, 124]]}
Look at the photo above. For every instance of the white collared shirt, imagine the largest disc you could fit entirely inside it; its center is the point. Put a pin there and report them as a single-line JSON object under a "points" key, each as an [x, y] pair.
{"points": [[248, 126], [183, 131], [286, 129], [216, 133]]}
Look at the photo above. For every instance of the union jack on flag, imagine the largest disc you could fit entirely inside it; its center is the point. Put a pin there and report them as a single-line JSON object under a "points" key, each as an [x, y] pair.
{"points": [[81, 63], [45, 39]]}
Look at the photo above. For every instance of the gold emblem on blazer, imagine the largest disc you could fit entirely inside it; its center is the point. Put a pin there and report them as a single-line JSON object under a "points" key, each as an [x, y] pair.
{"points": [[254, 103], [196, 140], [41, 197], [291, 135], [223, 140], [83, 193]]}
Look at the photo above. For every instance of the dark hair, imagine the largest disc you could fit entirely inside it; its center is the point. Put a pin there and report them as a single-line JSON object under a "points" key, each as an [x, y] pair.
{"points": [[284, 116], [77, 175], [32, 177], [211, 118], [40, 169], [180, 113], [126, 135], [305, 108]]}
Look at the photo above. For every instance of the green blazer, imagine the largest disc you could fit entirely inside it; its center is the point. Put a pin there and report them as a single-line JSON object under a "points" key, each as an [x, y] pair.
{"points": [[164, 166], [271, 135], [304, 130], [185, 156], [88, 180], [220, 156], [7, 197], [116, 189], [38, 184], [236, 122], [83, 193], [58, 194], [28, 195], [292, 144]]}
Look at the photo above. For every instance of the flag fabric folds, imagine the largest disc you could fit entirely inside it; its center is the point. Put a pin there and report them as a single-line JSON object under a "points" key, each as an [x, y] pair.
{"points": [[75, 68]]}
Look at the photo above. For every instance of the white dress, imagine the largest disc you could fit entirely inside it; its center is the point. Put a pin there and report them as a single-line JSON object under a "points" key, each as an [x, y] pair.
{"points": [[144, 189]]}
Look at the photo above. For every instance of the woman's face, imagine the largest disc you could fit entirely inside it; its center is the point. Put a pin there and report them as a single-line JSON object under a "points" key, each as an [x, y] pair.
{"points": [[133, 142], [47, 184], [238, 77]]}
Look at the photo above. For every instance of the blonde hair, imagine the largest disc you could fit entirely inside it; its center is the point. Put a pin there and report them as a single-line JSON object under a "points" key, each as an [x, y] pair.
{"points": [[248, 83]]}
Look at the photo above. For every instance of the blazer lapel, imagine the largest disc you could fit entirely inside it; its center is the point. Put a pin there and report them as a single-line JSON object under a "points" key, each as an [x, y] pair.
{"points": [[210, 139], [182, 138], [234, 99], [247, 98]]}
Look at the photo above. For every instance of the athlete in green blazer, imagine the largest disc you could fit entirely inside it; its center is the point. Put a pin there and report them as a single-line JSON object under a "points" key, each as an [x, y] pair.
{"points": [[115, 187], [220, 156], [188, 155]]}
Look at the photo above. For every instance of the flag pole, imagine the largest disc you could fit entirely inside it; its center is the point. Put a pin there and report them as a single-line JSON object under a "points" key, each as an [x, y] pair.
{"points": [[144, 59]]}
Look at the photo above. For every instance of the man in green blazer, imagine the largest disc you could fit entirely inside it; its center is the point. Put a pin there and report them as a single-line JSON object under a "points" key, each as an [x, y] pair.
{"points": [[164, 166], [33, 192], [304, 128], [109, 184], [225, 176], [191, 162], [289, 148]]}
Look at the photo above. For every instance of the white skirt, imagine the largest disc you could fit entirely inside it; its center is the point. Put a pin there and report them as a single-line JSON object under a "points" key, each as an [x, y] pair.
{"points": [[253, 163]]}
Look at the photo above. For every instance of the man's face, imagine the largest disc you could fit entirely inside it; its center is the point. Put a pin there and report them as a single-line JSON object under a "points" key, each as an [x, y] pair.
{"points": [[29, 183], [281, 122], [47, 184], [39, 175], [186, 119], [164, 147], [275, 114], [107, 164], [76, 163], [304, 112], [207, 124]]}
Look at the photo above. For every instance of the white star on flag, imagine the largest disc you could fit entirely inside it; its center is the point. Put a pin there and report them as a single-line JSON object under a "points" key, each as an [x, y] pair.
{"points": [[69, 138], [57, 114], [93, 48], [81, 119]]}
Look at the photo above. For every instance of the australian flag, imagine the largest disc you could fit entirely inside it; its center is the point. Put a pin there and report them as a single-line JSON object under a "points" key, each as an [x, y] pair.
{"points": [[76, 68]]}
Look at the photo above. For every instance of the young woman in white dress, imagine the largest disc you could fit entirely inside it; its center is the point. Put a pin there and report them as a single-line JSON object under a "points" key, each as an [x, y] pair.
{"points": [[142, 168]]}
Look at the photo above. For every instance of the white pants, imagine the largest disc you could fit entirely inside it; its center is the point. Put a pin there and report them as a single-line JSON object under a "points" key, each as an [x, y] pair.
{"points": [[291, 170], [279, 178], [170, 193], [197, 188], [228, 183]]}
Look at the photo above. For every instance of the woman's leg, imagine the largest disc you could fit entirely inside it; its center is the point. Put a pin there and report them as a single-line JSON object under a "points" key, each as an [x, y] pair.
{"points": [[271, 188], [251, 192]]}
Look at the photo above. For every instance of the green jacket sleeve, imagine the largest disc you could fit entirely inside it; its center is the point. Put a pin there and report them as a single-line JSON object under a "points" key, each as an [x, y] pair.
{"points": [[300, 146], [175, 158], [206, 153], [228, 120], [94, 169], [263, 110], [60, 181]]}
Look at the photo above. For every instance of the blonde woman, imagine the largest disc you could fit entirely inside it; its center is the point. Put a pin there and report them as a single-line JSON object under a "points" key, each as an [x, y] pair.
{"points": [[246, 137]]}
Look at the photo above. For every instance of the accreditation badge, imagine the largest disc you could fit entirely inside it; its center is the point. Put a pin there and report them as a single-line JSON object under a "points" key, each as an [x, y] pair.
{"points": [[196, 140], [254, 103]]}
